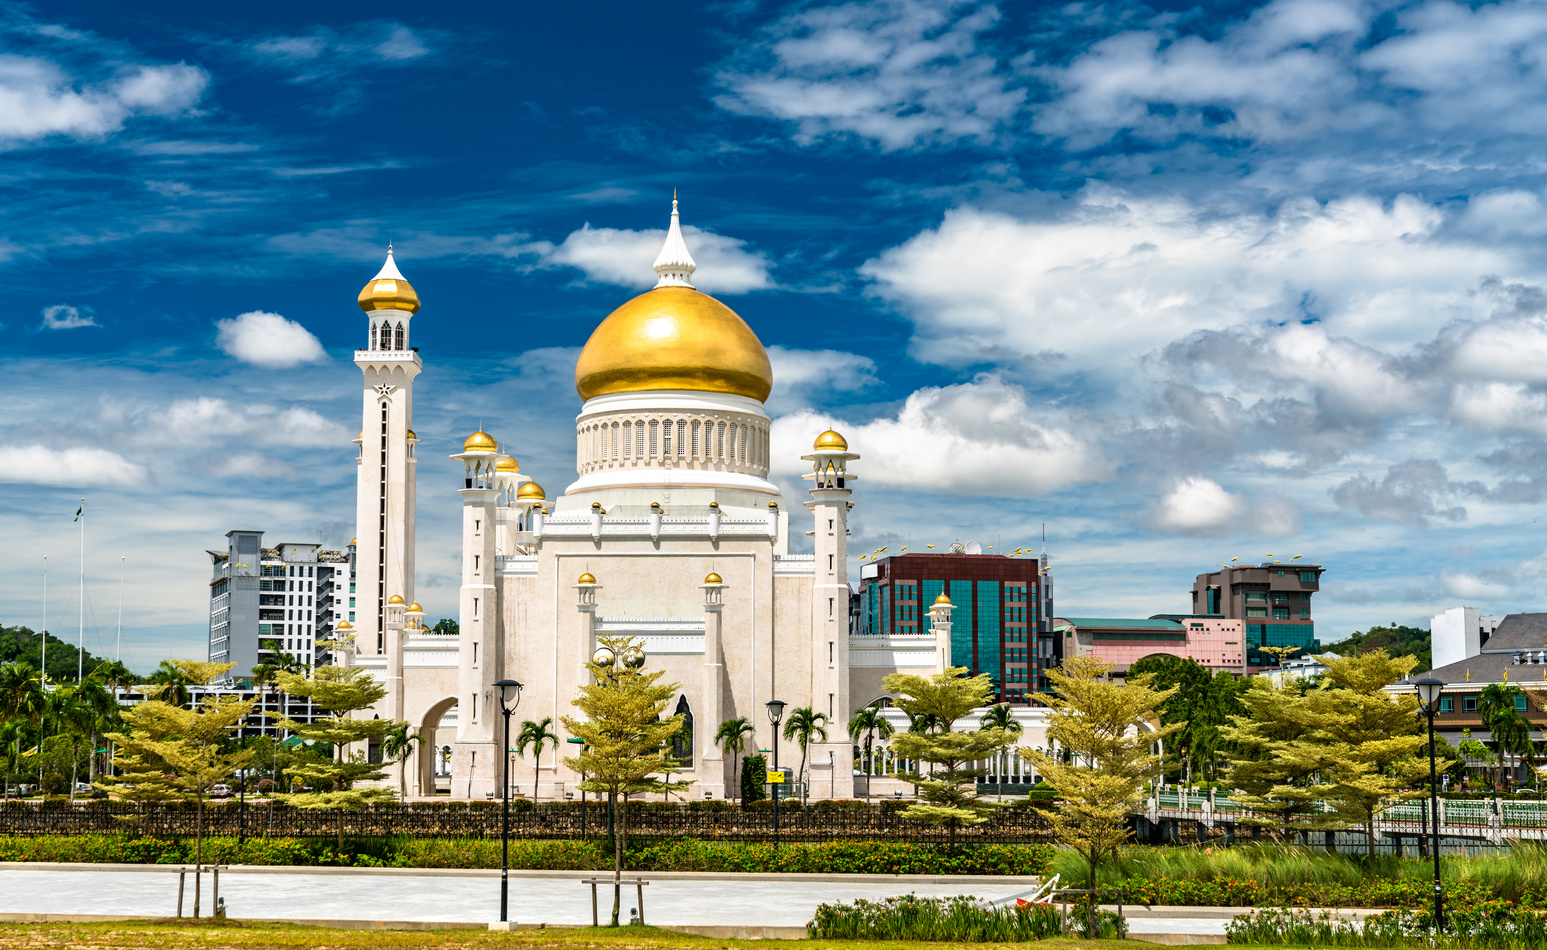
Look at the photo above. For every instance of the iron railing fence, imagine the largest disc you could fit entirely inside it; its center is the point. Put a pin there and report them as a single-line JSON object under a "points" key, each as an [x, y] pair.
{"points": [[646, 820]]}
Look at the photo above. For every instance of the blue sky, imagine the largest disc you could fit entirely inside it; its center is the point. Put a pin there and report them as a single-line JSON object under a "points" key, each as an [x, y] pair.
{"points": [[1185, 283]]}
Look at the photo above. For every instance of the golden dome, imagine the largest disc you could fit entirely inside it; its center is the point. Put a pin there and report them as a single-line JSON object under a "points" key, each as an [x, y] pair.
{"points": [[345, 625], [712, 578], [388, 290], [414, 608], [395, 600], [831, 441], [674, 338], [361, 436], [587, 578], [506, 464], [942, 601], [410, 434], [530, 491], [480, 441]]}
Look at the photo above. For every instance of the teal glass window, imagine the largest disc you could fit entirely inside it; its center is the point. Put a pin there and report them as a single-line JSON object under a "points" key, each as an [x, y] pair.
{"points": [[1447, 704]]}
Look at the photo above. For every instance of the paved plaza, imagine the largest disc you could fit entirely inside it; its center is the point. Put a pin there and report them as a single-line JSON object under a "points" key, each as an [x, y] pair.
{"points": [[348, 895]]}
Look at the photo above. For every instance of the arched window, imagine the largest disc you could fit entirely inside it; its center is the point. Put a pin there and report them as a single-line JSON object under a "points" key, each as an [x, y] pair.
{"points": [[682, 437], [398, 341], [682, 742], [373, 334], [628, 439]]}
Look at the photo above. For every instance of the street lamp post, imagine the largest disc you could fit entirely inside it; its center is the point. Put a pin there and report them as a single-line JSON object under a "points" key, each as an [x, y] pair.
{"points": [[510, 698], [1429, 689], [775, 714]]}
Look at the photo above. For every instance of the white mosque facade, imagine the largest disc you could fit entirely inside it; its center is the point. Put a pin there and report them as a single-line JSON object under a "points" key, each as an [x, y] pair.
{"points": [[671, 534]]}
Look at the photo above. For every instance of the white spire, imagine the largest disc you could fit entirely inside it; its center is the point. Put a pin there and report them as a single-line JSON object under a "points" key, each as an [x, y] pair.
{"points": [[389, 270], [674, 263]]}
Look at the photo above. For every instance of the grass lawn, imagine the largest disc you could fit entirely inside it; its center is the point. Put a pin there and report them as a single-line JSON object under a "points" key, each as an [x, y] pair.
{"points": [[237, 935]]}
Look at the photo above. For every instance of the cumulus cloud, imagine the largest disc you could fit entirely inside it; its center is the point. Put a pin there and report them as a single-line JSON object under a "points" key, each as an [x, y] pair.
{"points": [[40, 465], [64, 317], [38, 98], [1113, 275], [1411, 492], [977, 438], [1201, 507], [213, 421], [268, 340], [800, 375], [626, 258], [897, 73]]}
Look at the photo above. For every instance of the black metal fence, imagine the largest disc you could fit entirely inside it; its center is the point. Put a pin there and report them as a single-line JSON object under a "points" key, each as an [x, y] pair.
{"points": [[542, 822]]}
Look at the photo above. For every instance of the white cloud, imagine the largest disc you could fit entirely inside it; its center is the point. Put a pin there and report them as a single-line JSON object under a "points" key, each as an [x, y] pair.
{"points": [[897, 72], [39, 99], [40, 465], [268, 340], [1469, 587], [1112, 276], [977, 438], [626, 258], [326, 54], [64, 317], [210, 421], [1201, 507], [801, 374]]}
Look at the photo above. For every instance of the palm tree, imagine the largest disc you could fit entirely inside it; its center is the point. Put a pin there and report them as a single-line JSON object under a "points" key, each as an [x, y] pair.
{"points": [[870, 723], [803, 725], [171, 684], [732, 738], [113, 674], [534, 734], [1496, 706], [22, 701], [399, 745], [1000, 717]]}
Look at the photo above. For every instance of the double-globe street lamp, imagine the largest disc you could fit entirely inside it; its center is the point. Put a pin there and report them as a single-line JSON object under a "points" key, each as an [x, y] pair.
{"points": [[510, 698], [775, 714], [1429, 689]]}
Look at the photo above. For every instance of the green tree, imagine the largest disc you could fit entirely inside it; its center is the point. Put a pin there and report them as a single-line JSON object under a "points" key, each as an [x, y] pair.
{"points": [[22, 703], [1104, 756], [804, 725], [1201, 704], [1497, 706], [732, 737], [397, 745], [625, 735], [1000, 717], [1272, 762], [446, 627], [533, 735], [169, 752], [754, 776], [948, 795], [330, 782], [169, 683], [1396, 639], [870, 723]]}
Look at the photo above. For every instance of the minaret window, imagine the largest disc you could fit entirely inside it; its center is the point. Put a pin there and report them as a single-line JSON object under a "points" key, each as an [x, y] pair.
{"points": [[399, 337], [373, 335]]}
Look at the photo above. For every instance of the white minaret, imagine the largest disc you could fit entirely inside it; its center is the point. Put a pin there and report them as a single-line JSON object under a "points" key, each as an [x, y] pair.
{"points": [[478, 645], [384, 513], [831, 762]]}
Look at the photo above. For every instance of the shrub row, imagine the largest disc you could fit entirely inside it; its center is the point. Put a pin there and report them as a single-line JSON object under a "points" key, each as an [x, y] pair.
{"points": [[838, 857]]}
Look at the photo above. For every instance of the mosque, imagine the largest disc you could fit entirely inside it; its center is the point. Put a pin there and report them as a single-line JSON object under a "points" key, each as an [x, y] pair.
{"points": [[671, 534]]}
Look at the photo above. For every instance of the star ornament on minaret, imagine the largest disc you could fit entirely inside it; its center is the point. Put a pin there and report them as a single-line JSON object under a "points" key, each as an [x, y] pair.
{"points": [[385, 389]]}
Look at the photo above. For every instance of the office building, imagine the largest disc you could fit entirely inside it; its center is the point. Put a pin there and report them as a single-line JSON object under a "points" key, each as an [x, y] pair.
{"points": [[270, 600], [1272, 600], [1214, 642], [1001, 622]]}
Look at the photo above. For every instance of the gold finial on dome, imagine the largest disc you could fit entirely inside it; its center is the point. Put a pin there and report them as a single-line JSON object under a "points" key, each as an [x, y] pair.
{"points": [[396, 600], [674, 337], [831, 441], [942, 600], [388, 290], [480, 441], [530, 491], [506, 464], [587, 578], [712, 578]]}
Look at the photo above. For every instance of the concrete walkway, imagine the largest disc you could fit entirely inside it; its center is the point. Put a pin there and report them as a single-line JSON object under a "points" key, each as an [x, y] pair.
{"points": [[327, 894]]}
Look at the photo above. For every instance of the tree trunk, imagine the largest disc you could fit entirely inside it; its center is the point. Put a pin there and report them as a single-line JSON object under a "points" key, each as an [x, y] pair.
{"points": [[1369, 837], [340, 816], [537, 768], [617, 858], [1090, 909]]}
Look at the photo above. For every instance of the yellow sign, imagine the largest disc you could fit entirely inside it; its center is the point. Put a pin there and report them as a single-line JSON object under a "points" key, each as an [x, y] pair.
{"points": [[774, 778]]}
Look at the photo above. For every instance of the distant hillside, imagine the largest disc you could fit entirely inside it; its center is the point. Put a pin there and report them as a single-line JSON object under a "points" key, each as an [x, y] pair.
{"points": [[1397, 639], [22, 645]]}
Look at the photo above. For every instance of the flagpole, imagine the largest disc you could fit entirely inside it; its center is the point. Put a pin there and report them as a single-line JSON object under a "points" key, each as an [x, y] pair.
{"points": [[43, 660], [118, 642], [80, 658]]}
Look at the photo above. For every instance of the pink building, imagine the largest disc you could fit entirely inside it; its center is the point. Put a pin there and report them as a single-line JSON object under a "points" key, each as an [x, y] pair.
{"points": [[1215, 642]]}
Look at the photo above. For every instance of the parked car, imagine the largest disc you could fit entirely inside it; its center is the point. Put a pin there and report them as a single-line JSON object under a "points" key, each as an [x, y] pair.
{"points": [[221, 790], [84, 788]]}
